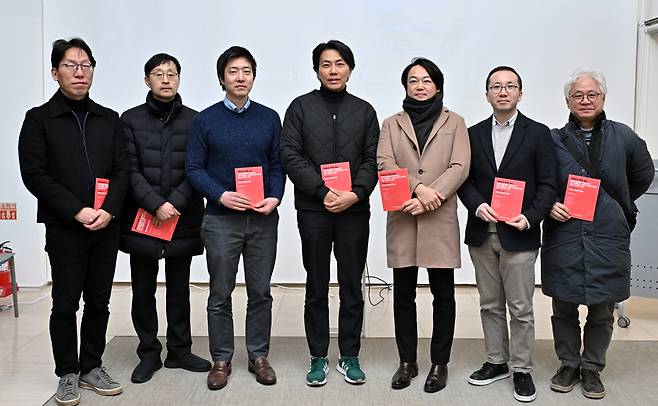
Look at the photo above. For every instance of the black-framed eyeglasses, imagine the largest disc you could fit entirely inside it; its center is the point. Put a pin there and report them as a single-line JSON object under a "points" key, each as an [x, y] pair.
{"points": [[162, 75], [498, 88], [591, 96], [72, 67]]}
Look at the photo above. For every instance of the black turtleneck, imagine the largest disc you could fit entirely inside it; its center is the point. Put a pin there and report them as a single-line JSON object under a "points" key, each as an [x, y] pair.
{"points": [[79, 107], [333, 99], [163, 110]]}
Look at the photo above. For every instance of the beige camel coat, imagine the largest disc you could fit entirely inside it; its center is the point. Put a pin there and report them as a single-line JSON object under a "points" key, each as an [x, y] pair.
{"points": [[429, 240]]}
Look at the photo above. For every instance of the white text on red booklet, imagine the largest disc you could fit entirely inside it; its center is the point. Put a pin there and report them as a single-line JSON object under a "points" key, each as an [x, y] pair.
{"points": [[144, 224], [507, 198], [100, 192], [249, 182], [394, 187], [581, 196], [337, 176]]}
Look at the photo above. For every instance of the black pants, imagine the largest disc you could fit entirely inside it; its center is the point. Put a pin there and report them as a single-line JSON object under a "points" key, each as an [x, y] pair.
{"points": [[82, 263], [442, 286], [144, 274], [348, 234]]}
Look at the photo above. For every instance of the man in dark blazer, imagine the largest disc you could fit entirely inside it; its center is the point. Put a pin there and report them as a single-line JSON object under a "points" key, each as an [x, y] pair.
{"points": [[512, 146]]}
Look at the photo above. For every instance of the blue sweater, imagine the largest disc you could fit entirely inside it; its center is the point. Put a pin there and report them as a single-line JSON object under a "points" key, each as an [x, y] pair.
{"points": [[221, 140]]}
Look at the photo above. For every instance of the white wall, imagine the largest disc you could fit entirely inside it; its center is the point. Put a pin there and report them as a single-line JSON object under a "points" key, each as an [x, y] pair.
{"points": [[646, 101], [545, 41], [22, 88]]}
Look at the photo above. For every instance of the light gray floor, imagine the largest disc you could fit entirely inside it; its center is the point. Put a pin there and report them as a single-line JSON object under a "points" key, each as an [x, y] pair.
{"points": [[630, 378]]}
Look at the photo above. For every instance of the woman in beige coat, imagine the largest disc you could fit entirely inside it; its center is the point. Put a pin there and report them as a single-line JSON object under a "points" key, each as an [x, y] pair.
{"points": [[431, 142]]}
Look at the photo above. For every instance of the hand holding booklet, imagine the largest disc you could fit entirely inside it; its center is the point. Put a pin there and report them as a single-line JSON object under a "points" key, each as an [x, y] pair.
{"points": [[507, 198], [581, 196], [394, 187], [337, 176], [249, 182], [144, 224]]}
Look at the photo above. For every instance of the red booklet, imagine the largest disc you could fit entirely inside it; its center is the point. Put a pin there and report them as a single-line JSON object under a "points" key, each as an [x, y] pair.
{"points": [[143, 224], [581, 195], [249, 181], [507, 198], [394, 187], [337, 176], [102, 187]]}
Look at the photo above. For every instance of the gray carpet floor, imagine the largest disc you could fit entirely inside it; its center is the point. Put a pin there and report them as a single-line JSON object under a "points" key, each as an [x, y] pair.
{"points": [[631, 378]]}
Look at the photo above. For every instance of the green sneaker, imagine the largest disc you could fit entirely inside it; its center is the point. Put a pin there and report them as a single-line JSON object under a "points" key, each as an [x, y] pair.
{"points": [[317, 371], [349, 366]]}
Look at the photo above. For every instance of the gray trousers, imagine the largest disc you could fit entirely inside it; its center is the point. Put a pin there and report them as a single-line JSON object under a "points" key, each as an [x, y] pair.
{"points": [[226, 237], [506, 281], [596, 337]]}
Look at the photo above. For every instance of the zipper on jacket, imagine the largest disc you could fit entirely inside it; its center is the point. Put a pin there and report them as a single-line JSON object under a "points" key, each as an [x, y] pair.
{"points": [[82, 126], [335, 131]]}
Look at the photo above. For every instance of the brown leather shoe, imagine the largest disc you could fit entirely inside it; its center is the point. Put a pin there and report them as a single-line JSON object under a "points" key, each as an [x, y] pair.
{"points": [[218, 375], [264, 373]]}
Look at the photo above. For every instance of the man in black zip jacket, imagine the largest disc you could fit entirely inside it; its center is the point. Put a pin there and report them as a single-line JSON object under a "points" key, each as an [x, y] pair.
{"points": [[329, 126], [157, 136], [65, 147]]}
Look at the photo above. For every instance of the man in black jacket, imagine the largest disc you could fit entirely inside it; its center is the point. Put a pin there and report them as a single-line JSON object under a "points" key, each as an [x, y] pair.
{"points": [[157, 135], [330, 126], [68, 148], [504, 250]]}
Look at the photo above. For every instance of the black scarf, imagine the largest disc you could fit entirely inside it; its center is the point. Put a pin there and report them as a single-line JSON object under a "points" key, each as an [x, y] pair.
{"points": [[423, 114], [164, 110], [594, 147]]}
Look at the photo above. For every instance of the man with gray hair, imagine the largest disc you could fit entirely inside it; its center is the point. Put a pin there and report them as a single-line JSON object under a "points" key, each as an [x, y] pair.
{"points": [[589, 262]]}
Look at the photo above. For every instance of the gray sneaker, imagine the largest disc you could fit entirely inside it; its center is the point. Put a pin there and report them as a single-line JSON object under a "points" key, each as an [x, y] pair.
{"points": [[100, 382], [68, 393]]}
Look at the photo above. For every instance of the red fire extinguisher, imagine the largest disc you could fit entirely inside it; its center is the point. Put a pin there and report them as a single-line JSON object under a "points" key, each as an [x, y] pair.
{"points": [[5, 274]]}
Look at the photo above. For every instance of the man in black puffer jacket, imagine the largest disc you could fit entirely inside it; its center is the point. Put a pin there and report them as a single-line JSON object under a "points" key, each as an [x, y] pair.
{"points": [[157, 134], [329, 126]]}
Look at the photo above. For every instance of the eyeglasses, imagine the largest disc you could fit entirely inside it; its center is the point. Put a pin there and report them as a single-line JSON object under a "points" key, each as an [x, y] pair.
{"points": [[72, 67], [498, 88], [162, 75], [591, 96]]}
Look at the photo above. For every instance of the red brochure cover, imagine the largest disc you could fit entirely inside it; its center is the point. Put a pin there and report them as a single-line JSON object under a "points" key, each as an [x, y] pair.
{"points": [[337, 176], [143, 224], [102, 187], [249, 181], [507, 198], [581, 195], [394, 187]]}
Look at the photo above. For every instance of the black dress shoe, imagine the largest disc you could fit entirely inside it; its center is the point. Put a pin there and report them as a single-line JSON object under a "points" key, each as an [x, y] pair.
{"points": [[436, 378], [144, 371], [404, 374], [189, 362]]}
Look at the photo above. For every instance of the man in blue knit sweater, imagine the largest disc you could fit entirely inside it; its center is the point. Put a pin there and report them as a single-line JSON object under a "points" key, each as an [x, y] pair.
{"points": [[237, 133]]}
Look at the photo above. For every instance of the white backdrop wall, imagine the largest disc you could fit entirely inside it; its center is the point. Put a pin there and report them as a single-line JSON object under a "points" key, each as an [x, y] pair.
{"points": [[544, 41], [22, 88]]}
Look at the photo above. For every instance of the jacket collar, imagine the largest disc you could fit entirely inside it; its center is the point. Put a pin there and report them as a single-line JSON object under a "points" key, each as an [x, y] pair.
{"points": [[516, 139], [404, 121], [175, 108], [57, 106]]}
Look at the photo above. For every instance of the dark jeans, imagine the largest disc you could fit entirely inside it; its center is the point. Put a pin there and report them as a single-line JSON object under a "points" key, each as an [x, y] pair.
{"points": [[227, 237], [442, 286], [596, 337], [82, 264], [348, 234], [144, 274]]}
